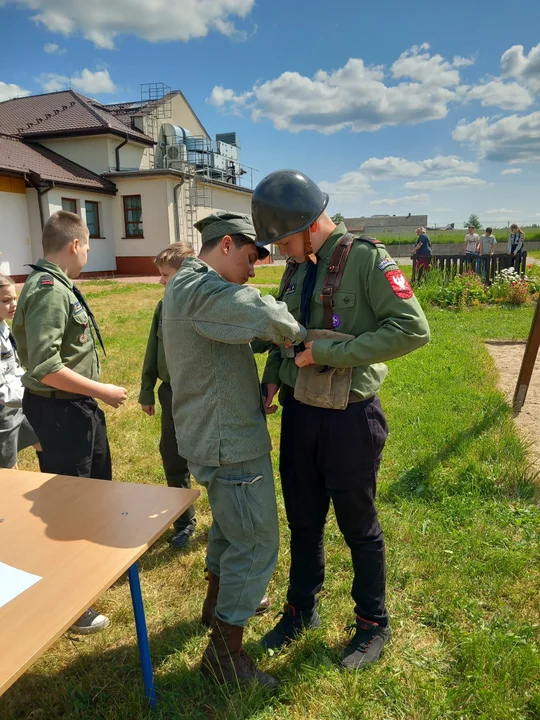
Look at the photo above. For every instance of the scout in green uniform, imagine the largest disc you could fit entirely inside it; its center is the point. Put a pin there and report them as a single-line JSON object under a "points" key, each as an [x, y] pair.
{"points": [[54, 329], [359, 311], [155, 368], [209, 319]]}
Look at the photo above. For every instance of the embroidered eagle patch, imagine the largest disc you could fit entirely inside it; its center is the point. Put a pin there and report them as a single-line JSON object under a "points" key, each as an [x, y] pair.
{"points": [[399, 284]]}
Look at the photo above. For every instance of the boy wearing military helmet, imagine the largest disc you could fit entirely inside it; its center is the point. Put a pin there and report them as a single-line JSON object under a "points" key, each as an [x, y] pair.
{"points": [[360, 312]]}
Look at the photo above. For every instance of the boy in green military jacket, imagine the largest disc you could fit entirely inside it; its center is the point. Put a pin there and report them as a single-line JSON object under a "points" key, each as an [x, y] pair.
{"points": [[54, 329], [175, 466]]}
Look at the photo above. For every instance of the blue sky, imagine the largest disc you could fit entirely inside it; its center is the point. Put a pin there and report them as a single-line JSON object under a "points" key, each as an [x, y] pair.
{"points": [[393, 107]]}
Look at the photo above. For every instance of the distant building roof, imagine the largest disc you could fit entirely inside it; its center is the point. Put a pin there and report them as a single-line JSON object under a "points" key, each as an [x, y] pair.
{"points": [[60, 114], [382, 221], [17, 156]]}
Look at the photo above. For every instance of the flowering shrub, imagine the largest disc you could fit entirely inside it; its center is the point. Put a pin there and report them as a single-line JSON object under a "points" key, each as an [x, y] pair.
{"points": [[510, 287], [462, 291]]}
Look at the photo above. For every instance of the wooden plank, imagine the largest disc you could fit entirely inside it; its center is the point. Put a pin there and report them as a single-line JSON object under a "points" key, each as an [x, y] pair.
{"points": [[527, 364]]}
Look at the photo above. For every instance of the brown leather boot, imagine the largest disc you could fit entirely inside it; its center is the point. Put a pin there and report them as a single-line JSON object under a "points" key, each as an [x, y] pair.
{"points": [[225, 660], [210, 601]]}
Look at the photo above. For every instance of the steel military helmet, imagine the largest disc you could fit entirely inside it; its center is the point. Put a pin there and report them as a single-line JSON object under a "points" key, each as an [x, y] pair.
{"points": [[285, 202]]}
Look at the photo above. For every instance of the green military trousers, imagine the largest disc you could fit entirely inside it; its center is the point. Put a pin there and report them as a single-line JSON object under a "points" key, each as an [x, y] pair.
{"points": [[244, 538]]}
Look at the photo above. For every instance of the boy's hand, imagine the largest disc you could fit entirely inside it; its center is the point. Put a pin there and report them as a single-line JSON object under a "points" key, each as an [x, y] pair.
{"points": [[113, 395], [149, 409], [305, 358], [271, 390]]}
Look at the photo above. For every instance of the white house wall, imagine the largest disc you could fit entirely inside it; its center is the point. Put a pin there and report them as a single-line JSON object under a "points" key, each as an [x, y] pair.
{"points": [[133, 156], [102, 256], [91, 152], [158, 221], [15, 243]]}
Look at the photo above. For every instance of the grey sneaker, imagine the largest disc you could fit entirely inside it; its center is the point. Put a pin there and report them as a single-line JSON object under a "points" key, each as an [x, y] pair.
{"points": [[90, 622]]}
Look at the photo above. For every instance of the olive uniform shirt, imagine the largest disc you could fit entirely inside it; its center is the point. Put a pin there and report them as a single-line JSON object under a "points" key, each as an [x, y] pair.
{"points": [[208, 324], [155, 365], [374, 303], [52, 329]]}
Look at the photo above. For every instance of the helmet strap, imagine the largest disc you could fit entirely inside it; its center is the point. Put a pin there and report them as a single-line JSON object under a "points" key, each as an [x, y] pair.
{"points": [[308, 250]]}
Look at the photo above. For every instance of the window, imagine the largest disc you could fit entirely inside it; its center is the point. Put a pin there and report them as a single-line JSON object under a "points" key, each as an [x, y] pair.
{"points": [[92, 218], [133, 216], [69, 205]]}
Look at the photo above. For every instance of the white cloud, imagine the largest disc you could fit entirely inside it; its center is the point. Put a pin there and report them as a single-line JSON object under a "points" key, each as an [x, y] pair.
{"points": [[525, 68], [388, 168], [511, 171], [53, 49], [421, 199], [444, 183], [499, 211], [497, 93], [512, 139], [442, 209], [155, 20], [417, 64], [10, 90], [354, 96], [350, 187], [92, 83]]}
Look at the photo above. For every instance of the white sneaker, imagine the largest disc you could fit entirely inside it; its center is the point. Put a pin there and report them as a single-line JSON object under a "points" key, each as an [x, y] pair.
{"points": [[90, 622]]}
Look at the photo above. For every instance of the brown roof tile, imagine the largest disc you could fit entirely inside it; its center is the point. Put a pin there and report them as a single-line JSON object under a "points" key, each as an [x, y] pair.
{"points": [[65, 112], [18, 156]]}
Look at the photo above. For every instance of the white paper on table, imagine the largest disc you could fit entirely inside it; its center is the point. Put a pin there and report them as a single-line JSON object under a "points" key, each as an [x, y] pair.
{"points": [[13, 582]]}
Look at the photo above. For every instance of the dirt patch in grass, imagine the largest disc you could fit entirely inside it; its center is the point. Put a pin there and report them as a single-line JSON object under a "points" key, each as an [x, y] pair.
{"points": [[508, 357]]}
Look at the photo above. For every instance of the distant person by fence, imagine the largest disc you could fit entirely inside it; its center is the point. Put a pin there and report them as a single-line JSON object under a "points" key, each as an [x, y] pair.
{"points": [[422, 252], [487, 250], [471, 247], [516, 240]]}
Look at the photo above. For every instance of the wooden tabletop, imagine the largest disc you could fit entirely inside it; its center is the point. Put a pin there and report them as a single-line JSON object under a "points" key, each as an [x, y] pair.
{"points": [[79, 535]]}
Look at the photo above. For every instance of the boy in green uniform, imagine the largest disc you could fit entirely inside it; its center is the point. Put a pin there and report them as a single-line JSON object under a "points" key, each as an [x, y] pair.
{"points": [[175, 466], [209, 319], [359, 311], [54, 330]]}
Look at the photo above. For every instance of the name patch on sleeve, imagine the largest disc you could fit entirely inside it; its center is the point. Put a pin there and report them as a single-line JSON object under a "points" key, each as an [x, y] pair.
{"points": [[47, 280], [385, 263]]}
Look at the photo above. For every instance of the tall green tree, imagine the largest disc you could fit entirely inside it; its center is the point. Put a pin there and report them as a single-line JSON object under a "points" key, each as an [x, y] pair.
{"points": [[473, 220], [337, 218]]}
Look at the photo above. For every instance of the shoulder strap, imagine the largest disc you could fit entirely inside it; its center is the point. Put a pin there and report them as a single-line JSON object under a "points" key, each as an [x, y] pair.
{"points": [[333, 277], [80, 297], [287, 277]]}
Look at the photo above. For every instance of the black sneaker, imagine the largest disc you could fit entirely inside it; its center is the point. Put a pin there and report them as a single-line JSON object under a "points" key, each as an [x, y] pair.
{"points": [[292, 624], [367, 645], [181, 537]]}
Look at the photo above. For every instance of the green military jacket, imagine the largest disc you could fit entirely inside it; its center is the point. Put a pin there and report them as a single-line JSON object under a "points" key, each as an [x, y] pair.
{"points": [[208, 324], [52, 329], [154, 366], [374, 303]]}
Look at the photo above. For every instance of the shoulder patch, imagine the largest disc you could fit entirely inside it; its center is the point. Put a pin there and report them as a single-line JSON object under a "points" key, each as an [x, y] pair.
{"points": [[385, 263], [46, 280], [399, 284]]}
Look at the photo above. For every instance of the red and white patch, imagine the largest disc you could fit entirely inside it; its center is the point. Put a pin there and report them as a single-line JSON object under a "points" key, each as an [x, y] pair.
{"points": [[399, 284]]}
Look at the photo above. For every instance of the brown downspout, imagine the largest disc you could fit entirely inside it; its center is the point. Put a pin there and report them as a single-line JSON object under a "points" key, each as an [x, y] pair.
{"points": [[117, 152], [34, 179]]}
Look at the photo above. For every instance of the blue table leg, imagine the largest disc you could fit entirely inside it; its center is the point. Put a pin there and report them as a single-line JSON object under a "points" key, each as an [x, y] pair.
{"points": [[142, 634]]}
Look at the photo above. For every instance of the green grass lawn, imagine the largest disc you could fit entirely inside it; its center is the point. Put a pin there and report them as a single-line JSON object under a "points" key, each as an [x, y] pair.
{"points": [[457, 500], [267, 275]]}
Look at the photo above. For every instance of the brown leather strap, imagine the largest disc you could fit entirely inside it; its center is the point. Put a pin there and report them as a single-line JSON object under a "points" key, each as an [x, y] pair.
{"points": [[287, 277], [333, 277]]}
